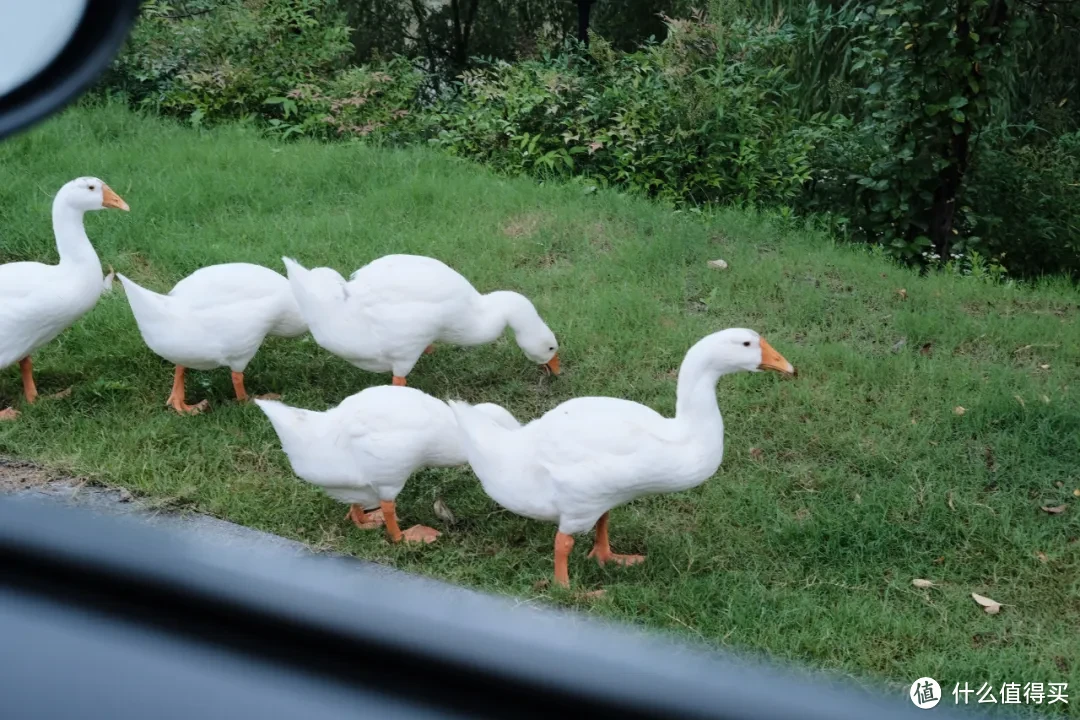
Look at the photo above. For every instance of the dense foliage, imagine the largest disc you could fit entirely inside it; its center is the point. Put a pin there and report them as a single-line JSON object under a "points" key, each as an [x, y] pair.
{"points": [[934, 128], [685, 121]]}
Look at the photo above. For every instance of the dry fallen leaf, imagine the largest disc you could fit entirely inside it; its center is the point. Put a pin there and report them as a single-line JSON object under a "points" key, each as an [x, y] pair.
{"points": [[756, 453], [1056, 510], [902, 293], [802, 513], [594, 594], [60, 395], [718, 264], [443, 512], [858, 499], [899, 344], [1059, 484], [1076, 492], [959, 410], [1044, 399], [951, 506], [920, 583], [1020, 400], [1045, 367], [939, 560], [927, 349], [1041, 555], [991, 607], [541, 584]]}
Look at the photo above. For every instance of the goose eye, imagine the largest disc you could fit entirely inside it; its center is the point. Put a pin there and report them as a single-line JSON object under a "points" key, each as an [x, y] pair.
{"points": [[551, 349], [91, 187], [746, 344]]}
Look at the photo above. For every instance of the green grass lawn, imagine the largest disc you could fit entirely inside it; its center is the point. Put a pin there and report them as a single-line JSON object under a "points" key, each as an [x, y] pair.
{"points": [[837, 489]]}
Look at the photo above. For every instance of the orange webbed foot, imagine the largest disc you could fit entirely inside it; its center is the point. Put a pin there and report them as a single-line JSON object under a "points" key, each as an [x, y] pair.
{"points": [[365, 520], [605, 557], [421, 534], [184, 409], [8, 414]]}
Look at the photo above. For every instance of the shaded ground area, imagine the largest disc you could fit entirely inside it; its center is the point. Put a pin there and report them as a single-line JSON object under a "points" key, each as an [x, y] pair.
{"points": [[32, 482]]}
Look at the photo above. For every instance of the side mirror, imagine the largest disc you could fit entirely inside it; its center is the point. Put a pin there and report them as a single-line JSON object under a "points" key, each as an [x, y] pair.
{"points": [[51, 52]]}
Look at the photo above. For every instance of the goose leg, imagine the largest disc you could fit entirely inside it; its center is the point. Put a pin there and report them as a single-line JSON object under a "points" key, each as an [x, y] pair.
{"points": [[238, 386], [29, 389], [429, 349], [563, 545], [241, 392], [602, 548], [176, 398], [365, 520], [398, 380], [417, 533]]}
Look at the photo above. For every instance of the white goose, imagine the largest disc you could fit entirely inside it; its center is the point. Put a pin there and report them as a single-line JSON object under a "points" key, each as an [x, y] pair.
{"points": [[589, 455], [391, 311], [38, 301], [216, 317], [364, 450]]}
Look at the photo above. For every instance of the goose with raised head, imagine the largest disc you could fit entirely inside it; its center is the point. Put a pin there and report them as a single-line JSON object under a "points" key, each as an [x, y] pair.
{"points": [[392, 310], [216, 317], [588, 455], [364, 450], [39, 301]]}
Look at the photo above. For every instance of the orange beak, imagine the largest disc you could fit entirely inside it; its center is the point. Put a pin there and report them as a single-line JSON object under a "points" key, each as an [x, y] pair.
{"points": [[772, 360], [553, 364], [110, 199]]}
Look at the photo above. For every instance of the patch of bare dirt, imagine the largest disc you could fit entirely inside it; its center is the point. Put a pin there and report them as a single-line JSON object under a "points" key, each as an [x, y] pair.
{"points": [[598, 236], [16, 475], [522, 226]]}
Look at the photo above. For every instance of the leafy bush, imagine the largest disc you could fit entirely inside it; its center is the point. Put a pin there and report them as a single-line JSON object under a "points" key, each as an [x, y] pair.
{"points": [[224, 60], [1029, 195], [702, 117], [362, 102]]}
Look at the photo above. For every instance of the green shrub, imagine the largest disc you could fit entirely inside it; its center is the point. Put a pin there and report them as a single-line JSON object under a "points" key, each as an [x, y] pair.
{"points": [[361, 102], [1028, 197], [224, 62], [701, 117]]}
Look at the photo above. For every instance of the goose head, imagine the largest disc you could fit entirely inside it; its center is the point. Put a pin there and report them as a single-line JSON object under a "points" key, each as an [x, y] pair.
{"points": [[738, 349], [539, 345], [89, 193]]}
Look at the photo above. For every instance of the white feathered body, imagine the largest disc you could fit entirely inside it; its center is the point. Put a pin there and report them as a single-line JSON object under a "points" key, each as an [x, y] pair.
{"points": [[217, 316], [390, 310], [587, 456], [38, 302], [364, 450]]}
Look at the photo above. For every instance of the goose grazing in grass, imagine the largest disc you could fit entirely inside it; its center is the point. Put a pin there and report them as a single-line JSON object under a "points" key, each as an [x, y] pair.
{"points": [[38, 301], [575, 463], [364, 450], [391, 311], [216, 317]]}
